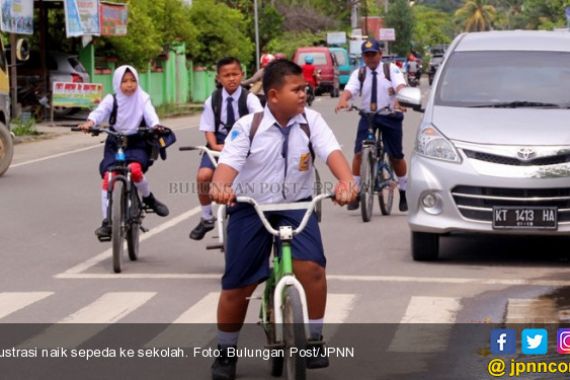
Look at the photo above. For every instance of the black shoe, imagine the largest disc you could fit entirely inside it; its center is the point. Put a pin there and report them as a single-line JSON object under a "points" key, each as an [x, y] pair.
{"points": [[318, 357], [202, 228], [224, 367], [354, 205], [403, 202], [158, 207], [103, 233]]}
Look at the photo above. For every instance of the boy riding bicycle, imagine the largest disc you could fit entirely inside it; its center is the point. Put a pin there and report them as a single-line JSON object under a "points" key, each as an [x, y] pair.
{"points": [[268, 157], [377, 86], [127, 109], [221, 110]]}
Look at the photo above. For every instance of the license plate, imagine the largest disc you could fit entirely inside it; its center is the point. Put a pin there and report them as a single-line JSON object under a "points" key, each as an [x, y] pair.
{"points": [[541, 218]]}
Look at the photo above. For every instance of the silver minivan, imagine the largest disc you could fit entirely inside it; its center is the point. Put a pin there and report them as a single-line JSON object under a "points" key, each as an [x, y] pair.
{"points": [[492, 152]]}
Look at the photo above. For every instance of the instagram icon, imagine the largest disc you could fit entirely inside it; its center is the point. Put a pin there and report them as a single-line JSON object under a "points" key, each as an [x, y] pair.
{"points": [[563, 341]]}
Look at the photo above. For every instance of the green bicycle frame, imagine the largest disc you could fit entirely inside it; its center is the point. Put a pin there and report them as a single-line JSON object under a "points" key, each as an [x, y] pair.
{"points": [[282, 266]]}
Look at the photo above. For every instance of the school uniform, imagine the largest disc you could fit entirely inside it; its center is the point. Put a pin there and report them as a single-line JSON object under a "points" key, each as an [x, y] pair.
{"points": [[275, 167], [131, 112], [208, 122], [390, 125]]}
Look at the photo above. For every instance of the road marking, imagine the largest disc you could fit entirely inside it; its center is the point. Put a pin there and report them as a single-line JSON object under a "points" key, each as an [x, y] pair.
{"points": [[202, 312], [56, 155], [109, 308], [76, 274], [339, 307], [436, 314], [11, 302], [62, 154], [74, 271], [522, 310]]}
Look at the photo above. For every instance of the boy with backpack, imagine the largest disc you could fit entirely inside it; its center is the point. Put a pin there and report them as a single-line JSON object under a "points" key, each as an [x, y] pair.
{"points": [[268, 157], [377, 84], [226, 105]]}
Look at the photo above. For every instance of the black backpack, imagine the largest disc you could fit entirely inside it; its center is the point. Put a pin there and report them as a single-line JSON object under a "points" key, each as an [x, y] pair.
{"points": [[217, 107], [362, 74]]}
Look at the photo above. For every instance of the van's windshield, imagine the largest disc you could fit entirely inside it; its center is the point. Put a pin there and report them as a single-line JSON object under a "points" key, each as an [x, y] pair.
{"points": [[505, 79], [319, 58]]}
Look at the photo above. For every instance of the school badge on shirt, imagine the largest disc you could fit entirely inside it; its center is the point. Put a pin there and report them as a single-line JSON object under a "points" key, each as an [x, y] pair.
{"points": [[305, 162]]}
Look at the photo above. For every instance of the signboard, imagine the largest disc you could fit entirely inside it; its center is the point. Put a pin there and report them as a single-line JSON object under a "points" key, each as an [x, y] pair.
{"points": [[89, 15], [71, 95], [17, 16], [114, 18], [336, 38], [387, 34], [73, 26]]}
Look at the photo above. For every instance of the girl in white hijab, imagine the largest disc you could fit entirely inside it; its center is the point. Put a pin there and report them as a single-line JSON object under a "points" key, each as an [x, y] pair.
{"points": [[133, 109]]}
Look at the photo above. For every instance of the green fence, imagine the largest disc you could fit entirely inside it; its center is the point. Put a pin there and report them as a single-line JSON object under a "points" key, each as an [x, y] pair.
{"points": [[175, 82]]}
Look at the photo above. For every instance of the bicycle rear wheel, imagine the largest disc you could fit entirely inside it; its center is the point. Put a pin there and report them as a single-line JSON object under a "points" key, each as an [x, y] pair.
{"points": [[386, 186], [367, 181], [133, 229], [117, 220], [294, 334]]}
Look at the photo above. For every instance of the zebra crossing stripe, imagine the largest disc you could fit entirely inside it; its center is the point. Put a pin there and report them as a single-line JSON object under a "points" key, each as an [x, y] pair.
{"points": [[11, 302], [522, 310], [109, 308], [426, 310]]}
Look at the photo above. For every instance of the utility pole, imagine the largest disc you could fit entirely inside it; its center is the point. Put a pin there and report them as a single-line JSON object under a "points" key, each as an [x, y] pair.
{"points": [[354, 15], [384, 25], [256, 35]]}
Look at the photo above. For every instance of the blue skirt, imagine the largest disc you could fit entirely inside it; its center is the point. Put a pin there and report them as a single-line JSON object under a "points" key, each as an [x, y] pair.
{"points": [[136, 151]]}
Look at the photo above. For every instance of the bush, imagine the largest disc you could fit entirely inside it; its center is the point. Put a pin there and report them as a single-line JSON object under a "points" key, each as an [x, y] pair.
{"points": [[24, 127]]}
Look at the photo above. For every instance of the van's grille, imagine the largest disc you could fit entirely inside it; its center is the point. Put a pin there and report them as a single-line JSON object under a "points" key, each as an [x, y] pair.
{"points": [[496, 159], [477, 202]]}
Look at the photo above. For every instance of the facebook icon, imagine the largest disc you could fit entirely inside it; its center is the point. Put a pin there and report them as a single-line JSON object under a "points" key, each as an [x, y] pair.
{"points": [[503, 342]]}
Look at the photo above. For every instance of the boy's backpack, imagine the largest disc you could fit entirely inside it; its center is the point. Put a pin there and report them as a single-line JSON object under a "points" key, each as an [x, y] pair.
{"points": [[362, 74], [258, 116], [217, 106]]}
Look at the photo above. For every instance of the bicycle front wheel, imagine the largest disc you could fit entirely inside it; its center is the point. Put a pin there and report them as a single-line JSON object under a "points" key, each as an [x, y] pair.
{"points": [[367, 180], [386, 186], [294, 335], [117, 220], [133, 229]]}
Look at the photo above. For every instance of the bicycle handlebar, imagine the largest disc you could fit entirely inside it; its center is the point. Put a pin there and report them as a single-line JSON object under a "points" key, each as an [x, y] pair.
{"points": [[363, 112], [261, 209], [97, 130], [212, 154]]}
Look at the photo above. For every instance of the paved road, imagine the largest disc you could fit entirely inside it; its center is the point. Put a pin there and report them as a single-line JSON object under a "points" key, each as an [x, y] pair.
{"points": [[55, 270]]}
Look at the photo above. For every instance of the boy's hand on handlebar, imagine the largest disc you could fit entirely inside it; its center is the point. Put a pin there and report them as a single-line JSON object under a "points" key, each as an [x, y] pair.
{"points": [[221, 193], [345, 192], [218, 147], [341, 105], [86, 126]]}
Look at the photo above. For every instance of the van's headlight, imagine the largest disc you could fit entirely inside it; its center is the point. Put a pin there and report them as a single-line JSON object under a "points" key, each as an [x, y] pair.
{"points": [[432, 143]]}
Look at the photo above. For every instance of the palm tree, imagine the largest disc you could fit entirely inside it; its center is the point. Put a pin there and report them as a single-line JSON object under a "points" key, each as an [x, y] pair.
{"points": [[476, 15]]}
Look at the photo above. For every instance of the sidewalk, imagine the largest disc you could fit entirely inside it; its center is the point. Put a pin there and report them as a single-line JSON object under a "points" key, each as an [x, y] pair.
{"points": [[60, 139]]}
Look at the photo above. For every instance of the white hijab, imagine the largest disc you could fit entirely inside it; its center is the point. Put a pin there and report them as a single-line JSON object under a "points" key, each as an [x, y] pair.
{"points": [[130, 108]]}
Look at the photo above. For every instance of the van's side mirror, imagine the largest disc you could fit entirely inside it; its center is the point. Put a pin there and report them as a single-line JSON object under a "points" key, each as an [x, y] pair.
{"points": [[410, 97], [22, 49]]}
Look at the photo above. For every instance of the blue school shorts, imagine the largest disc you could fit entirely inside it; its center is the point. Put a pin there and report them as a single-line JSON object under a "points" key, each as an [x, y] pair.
{"points": [[391, 127], [249, 244]]}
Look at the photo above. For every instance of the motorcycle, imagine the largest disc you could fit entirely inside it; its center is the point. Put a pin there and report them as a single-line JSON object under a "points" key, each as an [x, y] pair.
{"points": [[413, 79], [310, 92]]}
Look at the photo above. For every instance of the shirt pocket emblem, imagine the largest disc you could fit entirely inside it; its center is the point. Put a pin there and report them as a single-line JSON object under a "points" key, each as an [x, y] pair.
{"points": [[305, 162]]}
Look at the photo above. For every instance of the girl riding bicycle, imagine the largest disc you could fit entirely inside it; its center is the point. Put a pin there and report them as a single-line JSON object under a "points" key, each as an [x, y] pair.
{"points": [[127, 109]]}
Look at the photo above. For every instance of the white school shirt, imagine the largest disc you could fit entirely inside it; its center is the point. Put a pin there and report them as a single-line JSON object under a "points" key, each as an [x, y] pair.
{"points": [[384, 100], [207, 120], [262, 175], [104, 109]]}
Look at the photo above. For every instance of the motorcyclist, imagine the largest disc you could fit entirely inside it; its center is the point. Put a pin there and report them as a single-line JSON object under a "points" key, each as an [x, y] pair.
{"points": [[310, 74]]}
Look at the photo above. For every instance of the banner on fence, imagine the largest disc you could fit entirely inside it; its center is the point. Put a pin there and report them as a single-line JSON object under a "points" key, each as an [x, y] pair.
{"points": [[81, 95], [114, 18], [17, 16]]}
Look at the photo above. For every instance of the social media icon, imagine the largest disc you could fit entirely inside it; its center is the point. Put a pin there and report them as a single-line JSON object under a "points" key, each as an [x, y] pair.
{"points": [[534, 341], [563, 341], [503, 341]]}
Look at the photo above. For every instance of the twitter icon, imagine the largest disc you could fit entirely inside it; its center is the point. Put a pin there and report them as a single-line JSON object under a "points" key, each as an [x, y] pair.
{"points": [[534, 341]]}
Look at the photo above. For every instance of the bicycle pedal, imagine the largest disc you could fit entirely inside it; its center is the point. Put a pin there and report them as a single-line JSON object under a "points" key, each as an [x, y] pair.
{"points": [[143, 229], [215, 246], [104, 239]]}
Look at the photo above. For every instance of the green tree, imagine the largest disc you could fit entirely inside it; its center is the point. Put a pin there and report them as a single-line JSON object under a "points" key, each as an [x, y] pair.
{"points": [[401, 18], [544, 14], [221, 31], [476, 15], [289, 41], [432, 27]]}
